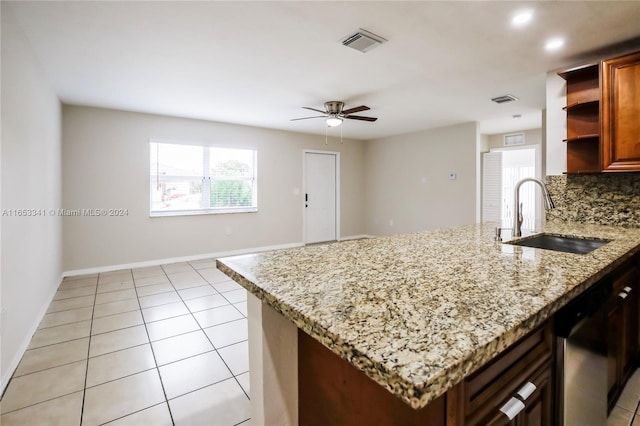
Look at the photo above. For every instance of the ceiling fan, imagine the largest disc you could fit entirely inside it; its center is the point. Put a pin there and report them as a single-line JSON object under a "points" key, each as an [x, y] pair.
{"points": [[334, 113]]}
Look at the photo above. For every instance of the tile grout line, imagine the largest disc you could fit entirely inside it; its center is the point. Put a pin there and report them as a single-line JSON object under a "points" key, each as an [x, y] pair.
{"points": [[41, 402], [147, 307], [90, 336], [153, 352], [56, 343], [135, 412], [220, 293], [214, 346], [86, 370]]}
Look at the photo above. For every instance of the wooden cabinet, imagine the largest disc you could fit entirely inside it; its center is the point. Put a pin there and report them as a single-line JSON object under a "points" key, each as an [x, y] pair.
{"points": [[520, 381], [516, 388], [332, 392], [621, 113], [537, 409], [583, 119], [603, 106], [622, 330]]}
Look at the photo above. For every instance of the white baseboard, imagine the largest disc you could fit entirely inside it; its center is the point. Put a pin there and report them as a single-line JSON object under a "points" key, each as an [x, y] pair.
{"points": [[177, 259], [215, 255], [356, 237], [4, 381]]}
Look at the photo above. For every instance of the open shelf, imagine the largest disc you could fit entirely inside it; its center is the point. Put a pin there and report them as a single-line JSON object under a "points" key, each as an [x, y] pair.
{"points": [[584, 156], [593, 103], [583, 119], [581, 72], [581, 137]]}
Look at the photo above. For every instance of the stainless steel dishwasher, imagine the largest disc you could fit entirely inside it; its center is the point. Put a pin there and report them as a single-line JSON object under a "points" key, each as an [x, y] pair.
{"points": [[582, 358]]}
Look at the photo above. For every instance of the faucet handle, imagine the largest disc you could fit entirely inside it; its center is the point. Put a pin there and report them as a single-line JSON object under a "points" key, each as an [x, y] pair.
{"points": [[520, 217]]}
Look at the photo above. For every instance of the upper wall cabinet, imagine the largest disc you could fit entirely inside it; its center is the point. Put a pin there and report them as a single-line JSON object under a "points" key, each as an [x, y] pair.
{"points": [[603, 116], [621, 113]]}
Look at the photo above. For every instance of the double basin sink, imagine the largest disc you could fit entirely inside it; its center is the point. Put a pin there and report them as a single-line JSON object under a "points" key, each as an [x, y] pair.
{"points": [[560, 243]]}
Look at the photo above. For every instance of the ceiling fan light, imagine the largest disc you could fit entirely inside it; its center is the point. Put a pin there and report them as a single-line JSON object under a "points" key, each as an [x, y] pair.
{"points": [[333, 121]]}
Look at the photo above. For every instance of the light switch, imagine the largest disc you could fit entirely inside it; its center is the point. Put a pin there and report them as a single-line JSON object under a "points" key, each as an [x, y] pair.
{"points": [[452, 176]]}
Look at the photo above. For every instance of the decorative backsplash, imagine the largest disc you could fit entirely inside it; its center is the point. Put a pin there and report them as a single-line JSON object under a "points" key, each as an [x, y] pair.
{"points": [[604, 198]]}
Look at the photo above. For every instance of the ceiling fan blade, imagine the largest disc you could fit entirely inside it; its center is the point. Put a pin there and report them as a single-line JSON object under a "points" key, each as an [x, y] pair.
{"points": [[359, 117], [316, 110], [306, 118], [356, 109]]}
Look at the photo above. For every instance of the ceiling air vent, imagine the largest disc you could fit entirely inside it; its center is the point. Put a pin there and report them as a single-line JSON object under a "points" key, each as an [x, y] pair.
{"points": [[362, 40], [505, 98]]}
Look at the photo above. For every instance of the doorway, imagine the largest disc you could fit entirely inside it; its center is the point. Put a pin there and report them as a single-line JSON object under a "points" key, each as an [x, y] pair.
{"points": [[321, 195], [501, 170]]}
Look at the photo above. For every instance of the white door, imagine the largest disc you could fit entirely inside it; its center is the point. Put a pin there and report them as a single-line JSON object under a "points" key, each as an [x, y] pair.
{"points": [[320, 197], [492, 187]]}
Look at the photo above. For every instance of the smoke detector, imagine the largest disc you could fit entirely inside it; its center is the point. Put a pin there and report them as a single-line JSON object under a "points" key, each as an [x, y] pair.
{"points": [[362, 40], [504, 98]]}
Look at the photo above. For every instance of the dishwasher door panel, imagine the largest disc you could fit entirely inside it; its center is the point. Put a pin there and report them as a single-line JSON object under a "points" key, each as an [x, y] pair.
{"points": [[584, 360]]}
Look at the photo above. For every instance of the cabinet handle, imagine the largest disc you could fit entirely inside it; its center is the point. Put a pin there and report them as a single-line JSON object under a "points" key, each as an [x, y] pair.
{"points": [[526, 391], [622, 295], [627, 289], [512, 408]]}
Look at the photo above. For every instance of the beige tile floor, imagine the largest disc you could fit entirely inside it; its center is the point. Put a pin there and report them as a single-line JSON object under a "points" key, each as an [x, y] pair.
{"points": [[155, 346], [152, 346], [626, 411]]}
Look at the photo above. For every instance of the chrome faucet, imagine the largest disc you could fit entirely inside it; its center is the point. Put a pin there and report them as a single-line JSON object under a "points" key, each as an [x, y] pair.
{"points": [[517, 207]]}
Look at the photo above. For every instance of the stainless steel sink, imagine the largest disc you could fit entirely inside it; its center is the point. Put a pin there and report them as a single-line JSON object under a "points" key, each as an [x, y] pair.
{"points": [[558, 243]]}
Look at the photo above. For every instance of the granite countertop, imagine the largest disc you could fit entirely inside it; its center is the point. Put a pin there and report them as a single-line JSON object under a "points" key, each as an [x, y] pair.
{"points": [[419, 312]]}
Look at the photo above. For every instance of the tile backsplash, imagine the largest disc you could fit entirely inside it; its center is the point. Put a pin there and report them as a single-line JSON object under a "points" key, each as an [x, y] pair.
{"points": [[605, 198]]}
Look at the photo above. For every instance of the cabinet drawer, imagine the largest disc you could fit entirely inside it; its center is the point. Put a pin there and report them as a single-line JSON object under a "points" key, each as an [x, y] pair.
{"points": [[503, 377], [537, 404]]}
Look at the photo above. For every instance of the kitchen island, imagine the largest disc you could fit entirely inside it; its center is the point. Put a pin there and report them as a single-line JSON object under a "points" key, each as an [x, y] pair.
{"points": [[416, 313]]}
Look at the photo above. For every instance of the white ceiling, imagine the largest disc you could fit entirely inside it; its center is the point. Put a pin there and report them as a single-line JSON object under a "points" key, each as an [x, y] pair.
{"points": [[257, 63]]}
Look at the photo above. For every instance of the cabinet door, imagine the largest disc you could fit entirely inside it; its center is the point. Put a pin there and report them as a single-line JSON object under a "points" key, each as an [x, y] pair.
{"points": [[630, 327], [622, 331], [539, 406], [614, 343], [620, 112]]}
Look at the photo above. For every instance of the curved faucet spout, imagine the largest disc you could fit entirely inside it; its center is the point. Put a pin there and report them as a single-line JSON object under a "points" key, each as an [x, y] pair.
{"points": [[517, 208]]}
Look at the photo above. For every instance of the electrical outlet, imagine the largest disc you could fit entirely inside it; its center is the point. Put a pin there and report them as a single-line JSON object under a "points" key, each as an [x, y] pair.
{"points": [[452, 176]]}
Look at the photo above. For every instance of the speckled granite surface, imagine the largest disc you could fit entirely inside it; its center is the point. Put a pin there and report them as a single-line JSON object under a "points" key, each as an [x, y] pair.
{"points": [[603, 198], [419, 312]]}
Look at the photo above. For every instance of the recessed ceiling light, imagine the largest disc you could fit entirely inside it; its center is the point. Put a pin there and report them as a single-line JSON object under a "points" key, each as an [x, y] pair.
{"points": [[522, 18], [554, 44]]}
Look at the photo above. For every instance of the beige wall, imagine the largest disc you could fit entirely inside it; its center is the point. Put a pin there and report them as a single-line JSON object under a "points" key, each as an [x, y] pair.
{"points": [[531, 137], [106, 165], [407, 183], [556, 125], [31, 179]]}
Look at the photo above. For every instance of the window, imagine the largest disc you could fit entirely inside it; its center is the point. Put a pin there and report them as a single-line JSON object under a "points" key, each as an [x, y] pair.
{"points": [[189, 179]]}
